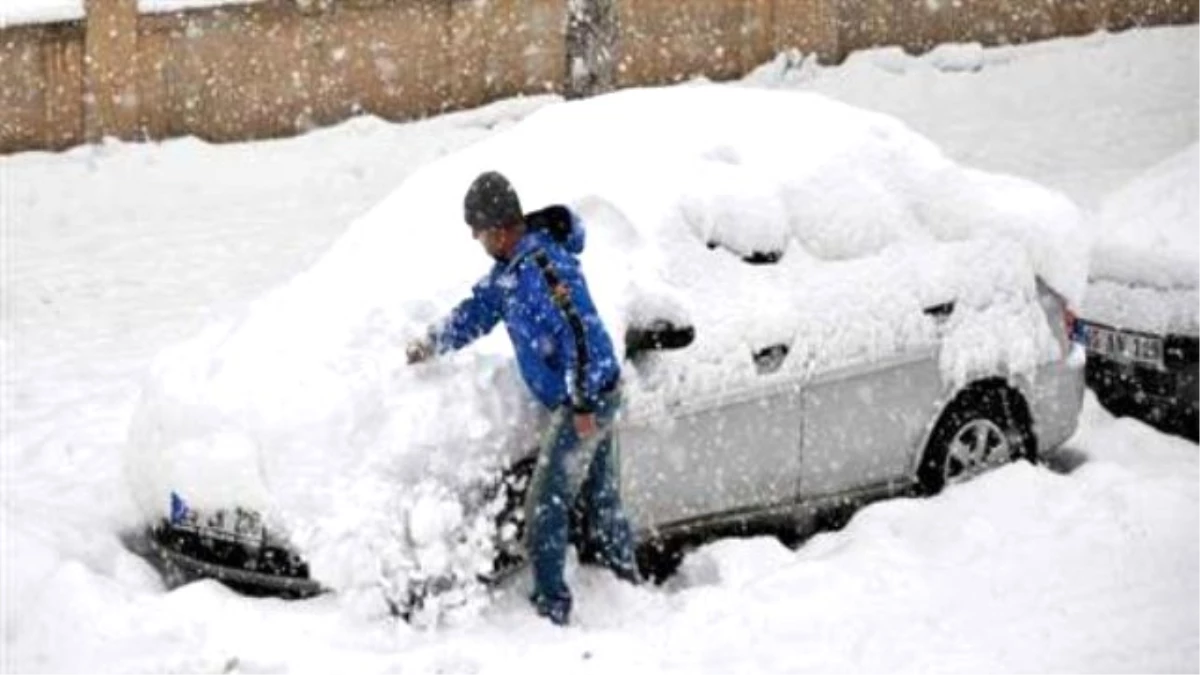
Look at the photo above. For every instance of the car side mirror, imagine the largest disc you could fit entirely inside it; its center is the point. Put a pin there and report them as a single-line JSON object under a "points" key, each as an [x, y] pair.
{"points": [[659, 335], [941, 311]]}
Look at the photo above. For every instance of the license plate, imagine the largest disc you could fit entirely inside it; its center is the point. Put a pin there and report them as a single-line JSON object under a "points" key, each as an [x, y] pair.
{"points": [[1125, 346]]}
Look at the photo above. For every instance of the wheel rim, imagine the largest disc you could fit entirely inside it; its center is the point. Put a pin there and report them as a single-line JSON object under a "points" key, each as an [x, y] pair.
{"points": [[978, 446]]}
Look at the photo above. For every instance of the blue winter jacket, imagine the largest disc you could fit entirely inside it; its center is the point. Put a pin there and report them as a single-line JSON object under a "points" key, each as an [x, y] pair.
{"points": [[563, 350]]}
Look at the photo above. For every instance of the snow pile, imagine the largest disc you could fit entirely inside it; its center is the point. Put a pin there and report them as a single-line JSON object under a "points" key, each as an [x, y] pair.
{"points": [[1149, 231], [870, 222], [1143, 308], [1146, 261], [21, 12], [154, 6], [1143, 80]]}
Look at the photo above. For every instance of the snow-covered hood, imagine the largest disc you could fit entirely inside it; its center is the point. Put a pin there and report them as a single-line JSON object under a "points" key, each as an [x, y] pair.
{"points": [[307, 397]]}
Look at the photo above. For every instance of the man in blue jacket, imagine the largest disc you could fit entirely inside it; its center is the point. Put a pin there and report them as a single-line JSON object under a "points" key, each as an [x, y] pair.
{"points": [[566, 359]]}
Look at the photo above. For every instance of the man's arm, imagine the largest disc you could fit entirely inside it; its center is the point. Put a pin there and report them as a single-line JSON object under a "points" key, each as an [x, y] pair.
{"points": [[473, 318]]}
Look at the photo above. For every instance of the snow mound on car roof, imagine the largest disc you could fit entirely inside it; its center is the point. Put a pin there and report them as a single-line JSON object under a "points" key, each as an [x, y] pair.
{"points": [[1145, 271], [867, 221], [1148, 232], [747, 169]]}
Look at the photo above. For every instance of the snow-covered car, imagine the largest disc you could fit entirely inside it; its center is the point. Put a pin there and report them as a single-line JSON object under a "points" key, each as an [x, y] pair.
{"points": [[819, 308], [1141, 312]]}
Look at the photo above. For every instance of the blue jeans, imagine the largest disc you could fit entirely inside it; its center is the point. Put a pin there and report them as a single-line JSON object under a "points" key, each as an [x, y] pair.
{"points": [[579, 479]]}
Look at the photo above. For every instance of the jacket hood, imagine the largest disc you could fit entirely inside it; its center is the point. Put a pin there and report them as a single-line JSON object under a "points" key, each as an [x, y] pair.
{"points": [[562, 225]]}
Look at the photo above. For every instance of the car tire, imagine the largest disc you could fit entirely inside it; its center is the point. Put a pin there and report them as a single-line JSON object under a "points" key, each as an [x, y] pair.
{"points": [[658, 560], [985, 426], [509, 522]]}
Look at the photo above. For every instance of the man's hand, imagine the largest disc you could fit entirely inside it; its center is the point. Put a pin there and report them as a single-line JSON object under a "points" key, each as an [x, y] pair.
{"points": [[419, 350], [585, 424]]}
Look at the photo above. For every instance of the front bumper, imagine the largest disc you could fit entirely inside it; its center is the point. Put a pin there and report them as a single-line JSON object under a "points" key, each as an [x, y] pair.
{"points": [[184, 556], [232, 546]]}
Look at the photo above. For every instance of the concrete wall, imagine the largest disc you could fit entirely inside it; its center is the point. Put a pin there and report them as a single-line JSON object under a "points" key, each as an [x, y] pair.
{"points": [[284, 66], [41, 87]]}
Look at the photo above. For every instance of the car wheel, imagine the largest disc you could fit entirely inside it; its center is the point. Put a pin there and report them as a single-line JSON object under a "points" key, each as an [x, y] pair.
{"points": [[658, 560], [509, 523], [986, 426]]}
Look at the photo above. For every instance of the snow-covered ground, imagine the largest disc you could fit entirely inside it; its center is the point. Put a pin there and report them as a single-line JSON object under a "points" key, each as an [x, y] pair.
{"points": [[115, 252]]}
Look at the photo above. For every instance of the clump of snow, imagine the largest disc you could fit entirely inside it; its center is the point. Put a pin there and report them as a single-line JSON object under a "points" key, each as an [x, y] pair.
{"points": [[958, 57], [1151, 309], [20, 12], [1027, 94], [1146, 261], [1149, 230], [870, 222], [966, 58], [161, 6]]}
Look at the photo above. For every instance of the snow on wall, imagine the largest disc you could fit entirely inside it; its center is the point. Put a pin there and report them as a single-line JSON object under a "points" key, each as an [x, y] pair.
{"points": [[676, 185], [20, 12], [158, 6]]}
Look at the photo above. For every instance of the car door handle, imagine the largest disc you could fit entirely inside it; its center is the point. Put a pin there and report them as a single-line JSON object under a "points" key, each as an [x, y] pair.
{"points": [[769, 359], [941, 311]]}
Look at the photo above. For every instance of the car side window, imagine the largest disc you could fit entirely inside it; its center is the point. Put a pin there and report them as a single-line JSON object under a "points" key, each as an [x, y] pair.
{"points": [[769, 359], [754, 257]]}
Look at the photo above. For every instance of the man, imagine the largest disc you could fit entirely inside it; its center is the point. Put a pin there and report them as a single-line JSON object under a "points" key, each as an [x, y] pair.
{"points": [[566, 359]]}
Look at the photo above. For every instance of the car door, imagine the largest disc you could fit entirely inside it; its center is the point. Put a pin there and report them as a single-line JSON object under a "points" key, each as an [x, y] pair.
{"points": [[712, 455], [864, 423]]}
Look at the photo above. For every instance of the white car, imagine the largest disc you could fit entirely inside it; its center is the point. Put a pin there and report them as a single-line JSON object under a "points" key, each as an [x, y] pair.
{"points": [[852, 315]]}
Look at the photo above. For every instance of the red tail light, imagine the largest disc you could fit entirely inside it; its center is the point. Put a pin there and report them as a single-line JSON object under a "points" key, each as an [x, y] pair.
{"points": [[1070, 321]]}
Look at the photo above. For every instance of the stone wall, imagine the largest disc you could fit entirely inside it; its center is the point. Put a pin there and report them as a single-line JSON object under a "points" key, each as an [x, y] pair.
{"points": [[281, 67]]}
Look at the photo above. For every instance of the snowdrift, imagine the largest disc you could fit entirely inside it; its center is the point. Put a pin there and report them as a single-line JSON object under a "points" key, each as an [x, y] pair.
{"points": [[304, 410], [1145, 272]]}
